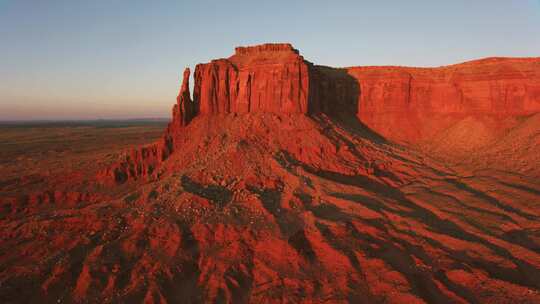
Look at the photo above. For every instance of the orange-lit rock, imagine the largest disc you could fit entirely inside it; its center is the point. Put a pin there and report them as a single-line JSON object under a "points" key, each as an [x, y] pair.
{"points": [[185, 109], [266, 78], [414, 104]]}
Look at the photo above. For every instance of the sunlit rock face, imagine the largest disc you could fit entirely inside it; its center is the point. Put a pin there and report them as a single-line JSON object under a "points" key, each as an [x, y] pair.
{"points": [[265, 78], [414, 104]]}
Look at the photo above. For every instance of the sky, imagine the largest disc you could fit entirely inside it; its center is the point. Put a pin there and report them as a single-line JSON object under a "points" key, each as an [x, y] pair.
{"points": [[124, 59]]}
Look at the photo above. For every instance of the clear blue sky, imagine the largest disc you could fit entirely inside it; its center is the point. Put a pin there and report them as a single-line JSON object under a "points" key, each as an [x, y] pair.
{"points": [[122, 59]]}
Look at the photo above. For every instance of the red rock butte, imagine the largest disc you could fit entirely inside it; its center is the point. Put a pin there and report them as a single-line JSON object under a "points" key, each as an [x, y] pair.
{"points": [[400, 103]]}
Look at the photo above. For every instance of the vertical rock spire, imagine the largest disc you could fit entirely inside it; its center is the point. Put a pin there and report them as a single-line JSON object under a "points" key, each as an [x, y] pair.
{"points": [[185, 106]]}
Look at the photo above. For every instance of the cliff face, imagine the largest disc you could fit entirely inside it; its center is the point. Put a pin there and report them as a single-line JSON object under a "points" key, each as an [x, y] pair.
{"points": [[413, 104], [265, 78]]}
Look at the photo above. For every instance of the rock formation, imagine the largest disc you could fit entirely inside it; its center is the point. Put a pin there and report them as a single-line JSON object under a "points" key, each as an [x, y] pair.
{"points": [[400, 103], [409, 105], [184, 110], [414, 104], [265, 78], [267, 187]]}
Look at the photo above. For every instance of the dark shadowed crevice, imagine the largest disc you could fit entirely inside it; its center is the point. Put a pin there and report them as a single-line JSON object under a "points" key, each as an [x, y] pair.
{"points": [[217, 194], [184, 285], [288, 223], [492, 200], [302, 245]]}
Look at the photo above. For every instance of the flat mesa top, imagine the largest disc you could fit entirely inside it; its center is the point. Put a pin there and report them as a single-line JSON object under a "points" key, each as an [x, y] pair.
{"points": [[267, 47], [265, 54]]}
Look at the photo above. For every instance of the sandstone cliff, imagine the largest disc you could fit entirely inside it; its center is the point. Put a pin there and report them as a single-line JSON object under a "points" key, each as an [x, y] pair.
{"points": [[265, 78], [414, 104]]}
